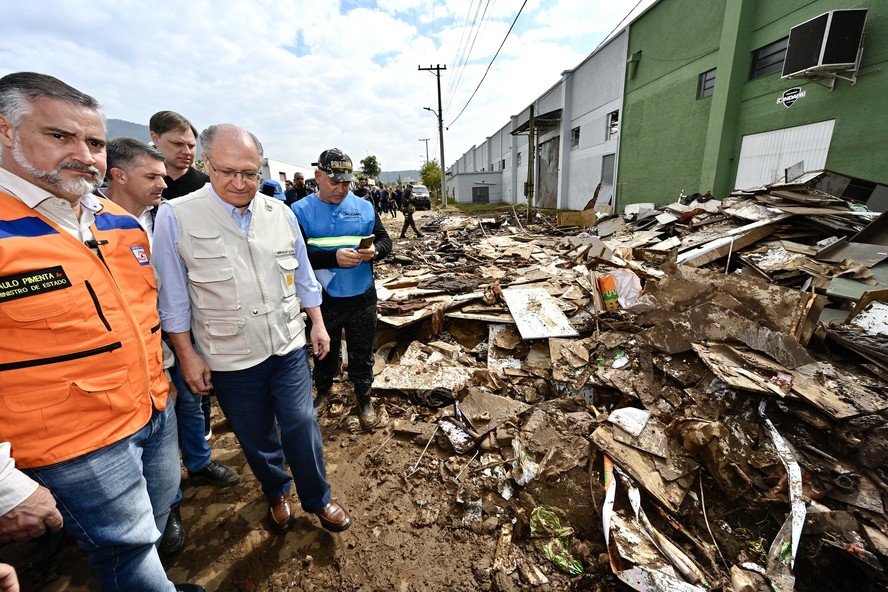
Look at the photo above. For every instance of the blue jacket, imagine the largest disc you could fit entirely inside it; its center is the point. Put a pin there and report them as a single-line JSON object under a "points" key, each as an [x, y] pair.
{"points": [[328, 227]]}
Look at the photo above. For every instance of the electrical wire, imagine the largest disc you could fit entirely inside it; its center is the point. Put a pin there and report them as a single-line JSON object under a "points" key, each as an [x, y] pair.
{"points": [[491, 62], [468, 53], [458, 53], [622, 20]]}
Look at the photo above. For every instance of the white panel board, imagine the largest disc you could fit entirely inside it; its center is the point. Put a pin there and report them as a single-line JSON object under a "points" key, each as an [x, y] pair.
{"points": [[764, 157], [537, 314]]}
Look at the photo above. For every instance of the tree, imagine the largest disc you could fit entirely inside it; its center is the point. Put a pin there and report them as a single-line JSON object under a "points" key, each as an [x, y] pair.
{"points": [[370, 167], [431, 176]]}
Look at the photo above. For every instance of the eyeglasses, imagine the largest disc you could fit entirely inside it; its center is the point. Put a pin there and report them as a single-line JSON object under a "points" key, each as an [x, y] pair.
{"points": [[252, 175]]}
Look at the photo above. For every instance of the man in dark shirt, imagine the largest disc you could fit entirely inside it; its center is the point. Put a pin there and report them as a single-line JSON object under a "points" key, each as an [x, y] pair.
{"points": [[297, 191], [176, 138], [362, 190]]}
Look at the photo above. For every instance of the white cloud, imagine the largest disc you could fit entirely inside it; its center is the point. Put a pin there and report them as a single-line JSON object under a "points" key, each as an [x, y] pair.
{"points": [[303, 75]]}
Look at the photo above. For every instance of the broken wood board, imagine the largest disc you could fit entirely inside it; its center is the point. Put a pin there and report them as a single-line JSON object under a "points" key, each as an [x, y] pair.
{"points": [[415, 373], [501, 318], [677, 332], [537, 313], [487, 411], [841, 397], [502, 340], [643, 468], [745, 370], [724, 246], [434, 303], [585, 218], [774, 306]]}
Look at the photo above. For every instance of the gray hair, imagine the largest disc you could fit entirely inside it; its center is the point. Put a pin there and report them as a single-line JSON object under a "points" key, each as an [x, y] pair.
{"points": [[122, 153], [19, 90], [208, 136]]}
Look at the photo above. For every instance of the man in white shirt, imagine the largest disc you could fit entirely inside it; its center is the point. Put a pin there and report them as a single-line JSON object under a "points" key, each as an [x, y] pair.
{"points": [[135, 183], [235, 274]]}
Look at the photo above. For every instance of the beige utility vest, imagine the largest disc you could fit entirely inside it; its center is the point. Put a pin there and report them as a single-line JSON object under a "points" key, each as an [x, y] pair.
{"points": [[244, 307]]}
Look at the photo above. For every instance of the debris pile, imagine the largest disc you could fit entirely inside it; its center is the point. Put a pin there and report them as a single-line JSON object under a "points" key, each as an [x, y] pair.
{"points": [[685, 398]]}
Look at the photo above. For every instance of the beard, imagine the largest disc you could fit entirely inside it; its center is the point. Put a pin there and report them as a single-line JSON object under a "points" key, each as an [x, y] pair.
{"points": [[78, 186]]}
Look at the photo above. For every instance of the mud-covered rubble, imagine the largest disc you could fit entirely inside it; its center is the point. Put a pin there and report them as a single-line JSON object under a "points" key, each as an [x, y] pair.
{"points": [[680, 398]]}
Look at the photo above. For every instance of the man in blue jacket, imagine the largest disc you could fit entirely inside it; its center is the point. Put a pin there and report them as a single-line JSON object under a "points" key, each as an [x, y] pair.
{"points": [[334, 221]]}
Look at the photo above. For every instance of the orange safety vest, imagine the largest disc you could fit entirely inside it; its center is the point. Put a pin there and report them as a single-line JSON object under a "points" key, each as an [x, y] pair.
{"points": [[80, 355]]}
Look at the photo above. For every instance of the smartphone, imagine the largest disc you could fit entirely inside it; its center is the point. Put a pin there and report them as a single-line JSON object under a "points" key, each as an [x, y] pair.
{"points": [[367, 242]]}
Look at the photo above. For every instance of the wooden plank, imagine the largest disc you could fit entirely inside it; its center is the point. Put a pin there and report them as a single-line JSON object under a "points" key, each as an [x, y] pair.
{"points": [[483, 317], [721, 247]]}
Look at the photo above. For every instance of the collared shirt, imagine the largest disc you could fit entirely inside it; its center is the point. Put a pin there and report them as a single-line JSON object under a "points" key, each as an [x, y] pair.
{"points": [[55, 208], [147, 222], [15, 486], [174, 303]]}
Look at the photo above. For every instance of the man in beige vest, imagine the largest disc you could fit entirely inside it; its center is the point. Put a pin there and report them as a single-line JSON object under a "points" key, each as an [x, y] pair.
{"points": [[234, 274]]}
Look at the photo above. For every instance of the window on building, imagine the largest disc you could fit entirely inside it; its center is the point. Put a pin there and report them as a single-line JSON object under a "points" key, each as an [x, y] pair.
{"points": [[613, 125], [768, 59], [503, 165], [575, 138], [518, 160], [706, 84]]}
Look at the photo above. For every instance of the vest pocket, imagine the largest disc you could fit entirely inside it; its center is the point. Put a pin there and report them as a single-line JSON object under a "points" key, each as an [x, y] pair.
{"points": [[226, 336], [214, 288], [288, 268], [93, 397], [295, 324], [206, 244]]}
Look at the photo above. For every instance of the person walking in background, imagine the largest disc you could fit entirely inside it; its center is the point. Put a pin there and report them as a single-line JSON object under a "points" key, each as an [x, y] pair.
{"points": [[408, 206]]}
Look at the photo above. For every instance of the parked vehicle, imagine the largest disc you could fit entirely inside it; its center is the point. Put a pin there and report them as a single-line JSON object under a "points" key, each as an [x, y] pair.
{"points": [[423, 197]]}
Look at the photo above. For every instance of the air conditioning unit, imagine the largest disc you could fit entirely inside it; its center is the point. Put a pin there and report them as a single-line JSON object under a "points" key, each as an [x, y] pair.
{"points": [[825, 45]]}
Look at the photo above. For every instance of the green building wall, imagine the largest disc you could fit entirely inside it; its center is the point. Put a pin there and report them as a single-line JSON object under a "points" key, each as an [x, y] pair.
{"points": [[672, 142]]}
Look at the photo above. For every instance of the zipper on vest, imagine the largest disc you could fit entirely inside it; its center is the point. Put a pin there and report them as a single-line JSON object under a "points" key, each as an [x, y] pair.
{"points": [[95, 299], [63, 358]]}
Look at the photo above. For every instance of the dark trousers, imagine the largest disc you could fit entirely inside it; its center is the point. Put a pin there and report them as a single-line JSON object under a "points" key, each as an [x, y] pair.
{"points": [[408, 221], [269, 408], [360, 333]]}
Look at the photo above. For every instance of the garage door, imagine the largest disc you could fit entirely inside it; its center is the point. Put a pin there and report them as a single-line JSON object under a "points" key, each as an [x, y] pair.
{"points": [[765, 157]]}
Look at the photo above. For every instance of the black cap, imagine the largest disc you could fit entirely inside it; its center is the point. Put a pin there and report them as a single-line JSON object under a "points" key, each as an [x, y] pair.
{"points": [[337, 164]]}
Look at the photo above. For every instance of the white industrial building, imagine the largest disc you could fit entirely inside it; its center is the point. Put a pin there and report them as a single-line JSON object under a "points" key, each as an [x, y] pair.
{"points": [[577, 123]]}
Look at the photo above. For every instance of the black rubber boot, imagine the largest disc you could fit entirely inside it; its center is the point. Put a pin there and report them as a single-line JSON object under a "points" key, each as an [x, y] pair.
{"points": [[321, 398], [366, 413]]}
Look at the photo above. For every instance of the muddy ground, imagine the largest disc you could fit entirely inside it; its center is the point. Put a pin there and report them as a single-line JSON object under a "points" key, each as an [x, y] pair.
{"points": [[423, 521]]}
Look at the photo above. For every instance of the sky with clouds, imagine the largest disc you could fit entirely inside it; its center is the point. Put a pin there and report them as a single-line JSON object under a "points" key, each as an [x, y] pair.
{"points": [[309, 75]]}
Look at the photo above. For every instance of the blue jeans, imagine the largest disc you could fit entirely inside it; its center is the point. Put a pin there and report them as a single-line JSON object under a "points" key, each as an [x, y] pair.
{"points": [[190, 418], [276, 394], [116, 500]]}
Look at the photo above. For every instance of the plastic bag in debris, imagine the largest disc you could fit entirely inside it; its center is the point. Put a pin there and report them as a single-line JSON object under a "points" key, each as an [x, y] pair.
{"points": [[620, 288], [545, 524]]}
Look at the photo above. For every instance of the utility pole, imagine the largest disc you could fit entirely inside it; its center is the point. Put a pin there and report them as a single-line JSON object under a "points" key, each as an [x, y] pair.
{"points": [[440, 114], [531, 152], [426, 140]]}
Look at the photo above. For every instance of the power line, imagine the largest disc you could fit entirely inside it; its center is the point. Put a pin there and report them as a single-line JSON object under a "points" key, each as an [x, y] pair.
{"points": [[457, 81], [491, 63], [606, 37]]}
